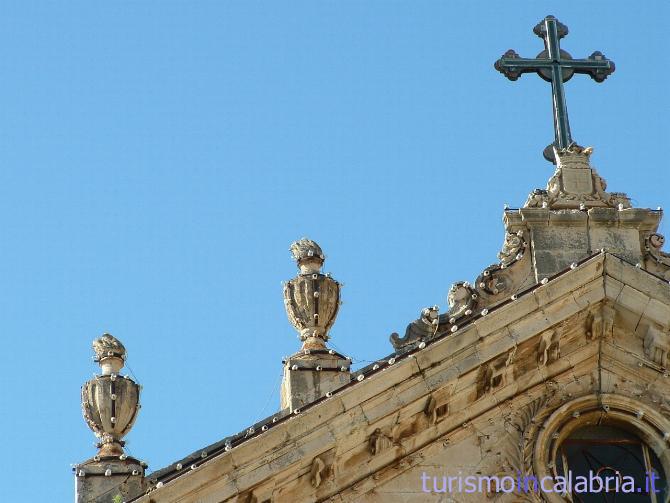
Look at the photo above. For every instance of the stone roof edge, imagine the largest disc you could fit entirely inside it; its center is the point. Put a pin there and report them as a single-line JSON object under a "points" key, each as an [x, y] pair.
{"points": [[197, 458]]}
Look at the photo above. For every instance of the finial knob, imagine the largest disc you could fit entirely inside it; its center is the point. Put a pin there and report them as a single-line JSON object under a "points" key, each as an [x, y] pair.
{"points": [[311, 299], [308, 255], [110, 354], [110, 402]]}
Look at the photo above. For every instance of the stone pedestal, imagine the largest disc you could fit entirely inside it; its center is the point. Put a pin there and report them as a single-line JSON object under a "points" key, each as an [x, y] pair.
{"points": [[108, 480], [575, 217], [310, 374], [560, 237]]}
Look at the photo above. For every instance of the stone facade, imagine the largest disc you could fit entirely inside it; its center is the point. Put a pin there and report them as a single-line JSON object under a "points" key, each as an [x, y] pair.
{"points": [[570, 328]]}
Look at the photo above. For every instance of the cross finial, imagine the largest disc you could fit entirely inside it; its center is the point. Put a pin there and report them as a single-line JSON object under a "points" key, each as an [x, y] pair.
{"points": [[556, 66]]}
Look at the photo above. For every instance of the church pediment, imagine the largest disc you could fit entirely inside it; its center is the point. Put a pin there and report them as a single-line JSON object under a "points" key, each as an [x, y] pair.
{"points": [[599, 328]]}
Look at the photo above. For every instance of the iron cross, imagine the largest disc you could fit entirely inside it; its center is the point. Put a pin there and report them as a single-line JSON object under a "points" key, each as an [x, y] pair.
{"points": [[556, 66]]}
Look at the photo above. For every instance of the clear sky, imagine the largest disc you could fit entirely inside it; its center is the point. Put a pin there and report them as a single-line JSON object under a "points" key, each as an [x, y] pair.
{"points": [[157, 158]]}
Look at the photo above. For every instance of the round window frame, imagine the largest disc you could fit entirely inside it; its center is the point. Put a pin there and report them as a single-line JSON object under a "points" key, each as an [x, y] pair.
{"points": [[629, 414]]}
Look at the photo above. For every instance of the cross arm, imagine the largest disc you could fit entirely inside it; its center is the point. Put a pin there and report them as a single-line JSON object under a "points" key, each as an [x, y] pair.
{"points": [[597, 66], [512, 66]]}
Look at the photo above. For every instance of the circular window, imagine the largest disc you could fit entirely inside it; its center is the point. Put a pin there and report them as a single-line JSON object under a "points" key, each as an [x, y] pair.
{"points": [[612, 465]]}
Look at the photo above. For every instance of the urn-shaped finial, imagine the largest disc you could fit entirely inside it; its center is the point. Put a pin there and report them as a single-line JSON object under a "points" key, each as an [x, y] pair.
{"points": [[110, 402], [311, 298]]}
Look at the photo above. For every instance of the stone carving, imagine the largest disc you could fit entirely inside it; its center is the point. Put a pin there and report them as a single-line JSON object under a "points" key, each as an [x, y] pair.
{"points": [[593, 325], [494, 284], [512, 246], [600, 322], [463, 298], [575, 183], [656, 260], [435, 411], [608, 314], [379, 442], [503, 278], [108, 346], [549, 348], [521, 441], [311, 299], [110, 402], [657, 346], [248, 498], [316, 472], [495, 374], [419, 329]]}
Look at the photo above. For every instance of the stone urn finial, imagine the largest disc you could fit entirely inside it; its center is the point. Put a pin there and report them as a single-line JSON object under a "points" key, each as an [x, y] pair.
{"points": [[311, 299], [110, 402]]}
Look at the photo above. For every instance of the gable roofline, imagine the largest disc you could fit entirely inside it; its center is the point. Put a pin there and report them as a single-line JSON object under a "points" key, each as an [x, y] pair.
{"points": [[611, 267]]}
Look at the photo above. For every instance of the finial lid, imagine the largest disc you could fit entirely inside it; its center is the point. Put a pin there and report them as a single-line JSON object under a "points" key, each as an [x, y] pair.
{"points": [[109, 353], [308, 255]]}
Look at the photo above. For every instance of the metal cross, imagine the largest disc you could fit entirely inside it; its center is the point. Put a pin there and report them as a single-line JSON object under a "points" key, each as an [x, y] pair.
{"points": [[556, 66]]}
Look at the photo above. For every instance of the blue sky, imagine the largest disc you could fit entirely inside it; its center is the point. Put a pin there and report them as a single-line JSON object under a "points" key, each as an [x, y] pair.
{"points": [[158, 158]]}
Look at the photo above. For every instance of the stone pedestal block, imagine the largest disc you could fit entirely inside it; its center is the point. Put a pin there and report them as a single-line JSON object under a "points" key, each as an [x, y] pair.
{"points": [[311, 374]]}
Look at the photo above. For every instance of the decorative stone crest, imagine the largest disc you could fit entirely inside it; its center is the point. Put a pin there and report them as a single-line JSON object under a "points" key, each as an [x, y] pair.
{"points": [[110, 402], [311, 299], [575, 184]]}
